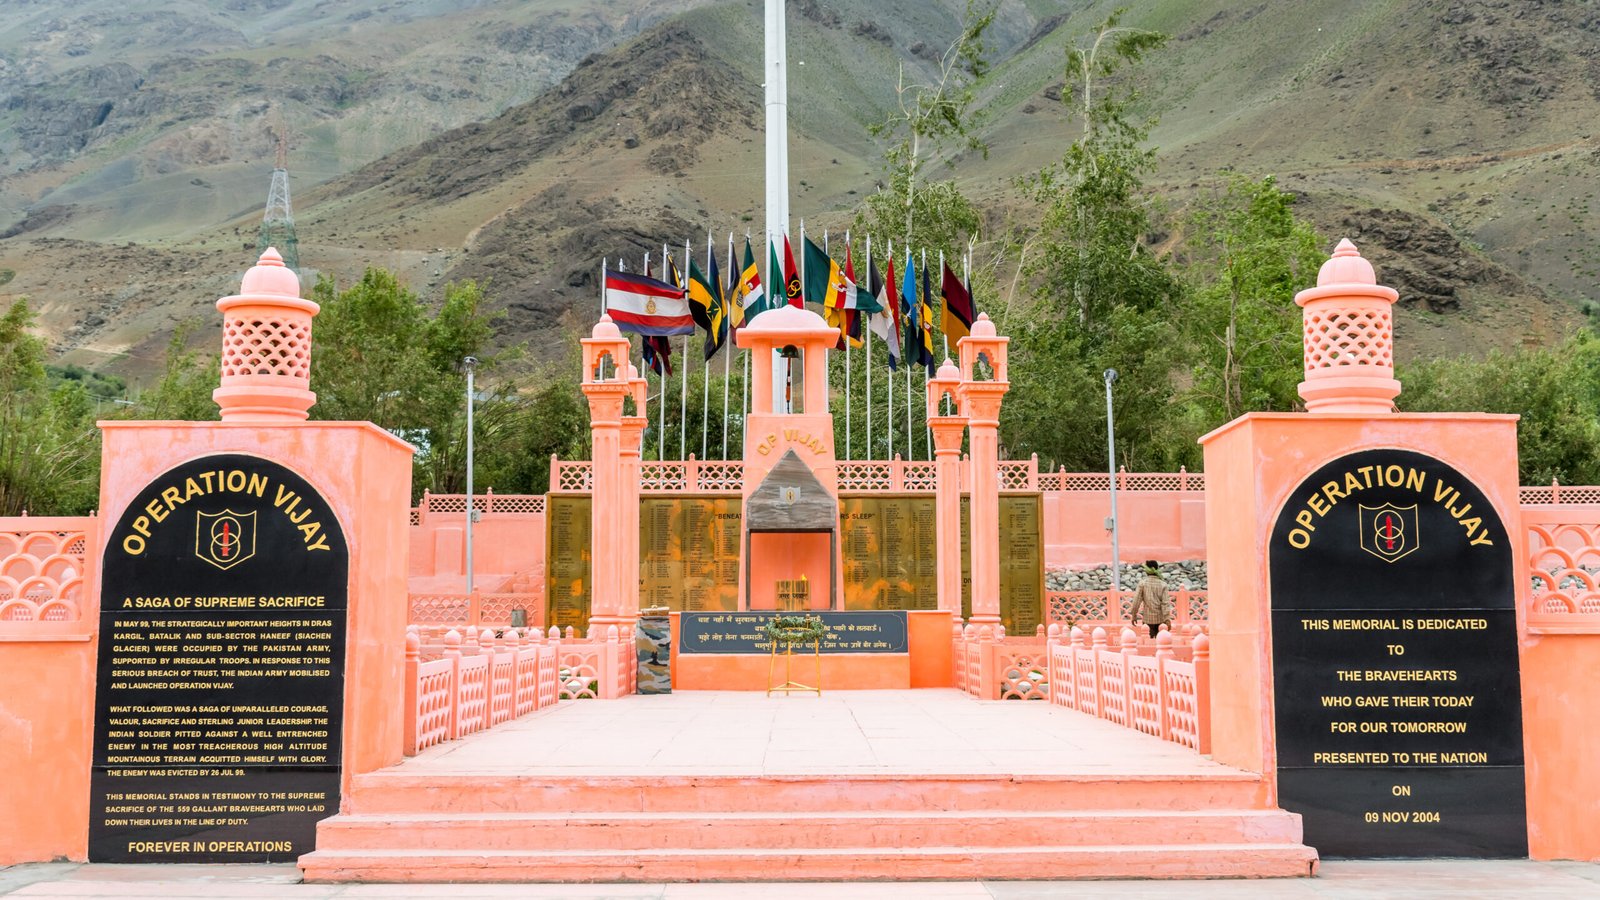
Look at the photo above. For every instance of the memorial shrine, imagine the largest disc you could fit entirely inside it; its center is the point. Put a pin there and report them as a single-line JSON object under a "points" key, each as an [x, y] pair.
{"points": [[254, 652]]}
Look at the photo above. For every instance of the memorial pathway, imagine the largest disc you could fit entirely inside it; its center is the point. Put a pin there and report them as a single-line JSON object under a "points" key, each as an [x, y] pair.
{"points": [[933, 731]]}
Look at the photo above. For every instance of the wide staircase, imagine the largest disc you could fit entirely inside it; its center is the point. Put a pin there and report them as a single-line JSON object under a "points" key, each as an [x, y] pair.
{"points": [[454, 828]]}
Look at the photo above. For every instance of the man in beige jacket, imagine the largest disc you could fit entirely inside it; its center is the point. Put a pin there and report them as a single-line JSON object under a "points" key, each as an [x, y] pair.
{"points": [[1152, 603]]}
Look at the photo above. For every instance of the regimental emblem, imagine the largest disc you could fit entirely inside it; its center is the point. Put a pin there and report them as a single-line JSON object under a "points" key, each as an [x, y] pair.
{"points": [[226, 538], [1388, 531], [650, 306]]}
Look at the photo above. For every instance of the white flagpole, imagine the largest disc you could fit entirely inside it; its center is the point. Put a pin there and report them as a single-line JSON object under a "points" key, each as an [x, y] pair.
{"points": [[867, 344], [603, 263], [727, 351], [661, 426], [846, 314], [683, 399], [888, 379], [705, 394]]}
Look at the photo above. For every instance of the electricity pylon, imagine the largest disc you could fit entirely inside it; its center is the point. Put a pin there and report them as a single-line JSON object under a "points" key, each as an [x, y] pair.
{"points": [[277, 224]]}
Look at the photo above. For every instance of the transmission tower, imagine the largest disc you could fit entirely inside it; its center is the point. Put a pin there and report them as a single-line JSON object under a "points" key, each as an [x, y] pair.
{"points": [[277, 224]]}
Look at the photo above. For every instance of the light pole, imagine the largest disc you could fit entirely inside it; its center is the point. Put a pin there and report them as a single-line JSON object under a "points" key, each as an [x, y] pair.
{"points": [[1111, 470], [471, 364]]}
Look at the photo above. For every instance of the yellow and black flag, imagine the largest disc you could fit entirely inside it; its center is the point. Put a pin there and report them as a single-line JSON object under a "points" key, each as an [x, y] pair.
{"points": [[707, 307]]}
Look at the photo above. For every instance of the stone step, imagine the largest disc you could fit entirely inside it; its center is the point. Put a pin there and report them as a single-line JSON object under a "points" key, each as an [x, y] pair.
{"points": [[1244, 860], [388, 792], [989, 829]]}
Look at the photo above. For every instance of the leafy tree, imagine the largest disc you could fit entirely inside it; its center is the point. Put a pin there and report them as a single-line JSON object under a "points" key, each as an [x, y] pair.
{"points": [[931, 116], [49, 447], [1248, 256], [1103, 298], [183, 392], [381, 356], [1556, 390]]}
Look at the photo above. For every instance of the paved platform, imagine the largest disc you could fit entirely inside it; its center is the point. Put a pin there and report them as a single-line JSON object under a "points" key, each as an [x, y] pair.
{"points": [[1366, 880], [931, 732]]}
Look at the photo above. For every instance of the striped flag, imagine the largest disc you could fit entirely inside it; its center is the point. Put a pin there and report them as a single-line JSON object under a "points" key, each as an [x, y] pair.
{"points": [[643, 305], [956, 307], [885, 323]]}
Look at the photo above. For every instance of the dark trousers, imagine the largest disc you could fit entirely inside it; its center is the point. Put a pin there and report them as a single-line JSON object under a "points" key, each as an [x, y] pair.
{"points": [[1155, 628]]}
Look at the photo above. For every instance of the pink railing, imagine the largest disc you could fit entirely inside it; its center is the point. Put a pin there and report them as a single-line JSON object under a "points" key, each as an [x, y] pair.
{"points": [[1088, 609], [1159, 695], [1564, 564], [603, 666], [1557, 493], [991, 666], [487, 503], [44, 571], [475, 682], [476, 608], [858, 475]]}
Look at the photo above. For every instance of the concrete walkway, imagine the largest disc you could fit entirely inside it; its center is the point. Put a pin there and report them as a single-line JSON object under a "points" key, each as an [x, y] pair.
{"points": [[934, 731], [1365, 880]]}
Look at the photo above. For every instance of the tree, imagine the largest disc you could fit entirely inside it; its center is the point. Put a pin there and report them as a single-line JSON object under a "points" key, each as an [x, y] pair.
{"points": [[1248, 257], [49, 446], [183, 392], [1556, 390], [929, 117], [1103, 298], [382, 357]]}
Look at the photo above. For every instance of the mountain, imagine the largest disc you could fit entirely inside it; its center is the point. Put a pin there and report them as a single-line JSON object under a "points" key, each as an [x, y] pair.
{"points": [[523, 142]]}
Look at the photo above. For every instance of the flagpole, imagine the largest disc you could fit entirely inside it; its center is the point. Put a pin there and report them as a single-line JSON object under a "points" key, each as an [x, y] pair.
{"points": [[661, 427], [846, 321], [727, 351], [705, 394], [867, 344], [683, 400], [888, 378], [603, 262]]}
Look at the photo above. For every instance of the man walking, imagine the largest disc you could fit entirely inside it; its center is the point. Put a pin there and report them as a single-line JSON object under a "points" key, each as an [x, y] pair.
{"points": [[1152, 603]]}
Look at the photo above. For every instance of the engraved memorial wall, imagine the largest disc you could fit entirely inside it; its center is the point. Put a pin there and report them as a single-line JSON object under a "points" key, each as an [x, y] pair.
{"points": [[220, 681], [1395, 670]]}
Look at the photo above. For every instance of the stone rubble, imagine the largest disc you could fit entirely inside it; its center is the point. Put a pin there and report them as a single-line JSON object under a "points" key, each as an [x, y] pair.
{"points": [[1188, 574]]}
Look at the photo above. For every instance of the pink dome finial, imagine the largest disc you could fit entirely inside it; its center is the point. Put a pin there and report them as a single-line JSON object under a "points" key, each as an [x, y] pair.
{"points": [[983, 327], [270, 276], [1348, 327], [1346, 266], [266, 346], [605, 329]]}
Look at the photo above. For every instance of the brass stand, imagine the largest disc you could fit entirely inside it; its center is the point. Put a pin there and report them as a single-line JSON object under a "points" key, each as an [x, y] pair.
{"points": [[789, 685]]}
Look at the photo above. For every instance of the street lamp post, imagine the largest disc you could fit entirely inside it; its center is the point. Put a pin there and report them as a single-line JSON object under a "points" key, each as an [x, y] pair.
{"points": [[471, 364], [1111, 455]]}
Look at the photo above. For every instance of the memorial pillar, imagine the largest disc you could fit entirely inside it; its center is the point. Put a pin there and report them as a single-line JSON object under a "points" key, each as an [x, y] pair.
{"points": [[948, 429], [270, 553], [982, 388], [632, 444], [605, 384], [1364, 568]]}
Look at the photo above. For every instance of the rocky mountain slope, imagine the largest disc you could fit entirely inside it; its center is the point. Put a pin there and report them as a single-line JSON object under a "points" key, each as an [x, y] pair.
{"points": [[1449, 139]]}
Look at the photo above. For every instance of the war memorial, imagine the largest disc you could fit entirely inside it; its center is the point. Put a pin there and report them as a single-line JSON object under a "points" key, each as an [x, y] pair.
{"points": [[246, 655]]}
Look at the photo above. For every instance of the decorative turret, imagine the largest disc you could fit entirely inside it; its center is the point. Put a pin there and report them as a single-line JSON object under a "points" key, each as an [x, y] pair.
{"points": [[266, 346], [1349, 338]]}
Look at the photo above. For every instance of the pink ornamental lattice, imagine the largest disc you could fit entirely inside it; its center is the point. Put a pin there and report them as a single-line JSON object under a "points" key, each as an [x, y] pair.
{"points": [[1348, 338]]}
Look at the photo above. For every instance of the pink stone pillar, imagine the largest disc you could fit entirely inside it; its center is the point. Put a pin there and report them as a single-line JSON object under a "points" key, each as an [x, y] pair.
{"points": [[1349, 338], [266, 347], [947, 432], [981, 393], [632, 444], [605, 383]]}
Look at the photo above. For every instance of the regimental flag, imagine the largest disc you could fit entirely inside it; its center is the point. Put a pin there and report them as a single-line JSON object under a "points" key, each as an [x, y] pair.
{"points": [[929, 357], [886, 322], [657, 354], [793, 292], [824, 281], [642, 305], [956, 308], [853, 311], [748, 298], [911, 334], [705, 302]]}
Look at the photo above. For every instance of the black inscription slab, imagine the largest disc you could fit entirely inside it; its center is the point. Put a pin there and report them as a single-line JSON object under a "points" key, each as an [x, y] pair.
{"points": [[219, 694], [1397, 693], [875, 631]]}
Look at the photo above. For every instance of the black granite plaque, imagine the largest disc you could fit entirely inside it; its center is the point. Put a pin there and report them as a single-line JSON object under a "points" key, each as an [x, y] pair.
{"points": [[1397, 695], [219, 694], [867, 631]]}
